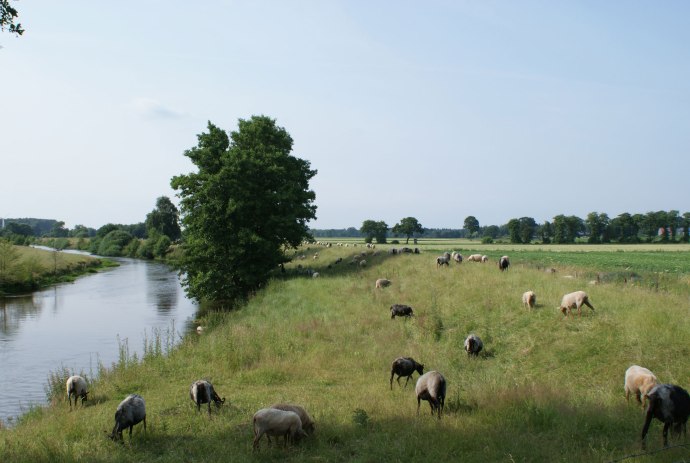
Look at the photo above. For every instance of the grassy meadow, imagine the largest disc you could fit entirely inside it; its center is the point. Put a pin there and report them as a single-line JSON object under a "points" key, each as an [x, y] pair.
{"points": [[545, 388]]}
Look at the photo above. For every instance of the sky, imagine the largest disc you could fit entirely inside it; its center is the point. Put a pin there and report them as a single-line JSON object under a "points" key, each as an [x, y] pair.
{"points": [[437, 110]]}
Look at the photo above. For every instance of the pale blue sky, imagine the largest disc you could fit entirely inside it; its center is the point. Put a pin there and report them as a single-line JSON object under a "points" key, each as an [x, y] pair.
{"points": [[434, 109]]}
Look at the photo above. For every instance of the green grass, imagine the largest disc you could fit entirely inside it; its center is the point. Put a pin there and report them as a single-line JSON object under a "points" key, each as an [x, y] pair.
{"points": [[544, 389]]}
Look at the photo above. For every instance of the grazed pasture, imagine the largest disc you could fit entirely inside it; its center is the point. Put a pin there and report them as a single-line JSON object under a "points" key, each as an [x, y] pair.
{"points": [[543, 389]]}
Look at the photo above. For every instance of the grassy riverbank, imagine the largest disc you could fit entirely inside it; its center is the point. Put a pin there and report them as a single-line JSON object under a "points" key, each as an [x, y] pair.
{"points": [[544, 389], [27, 269]]}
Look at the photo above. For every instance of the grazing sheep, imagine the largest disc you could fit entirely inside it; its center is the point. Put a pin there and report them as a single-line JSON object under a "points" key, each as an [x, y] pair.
{"points": [[76, 386], [274, 422], [131, 411], [473, 345], [315, 275], [529, 299], [503, 263], [457, 258], [485, 259], [442, 260], [401, 310], [474, 258], [202, 392], [669, 404], [431, 386], [307, 422], [382, 283], [416, 251], [363, 263], [405, 366], [639, 381], [575, 300]]}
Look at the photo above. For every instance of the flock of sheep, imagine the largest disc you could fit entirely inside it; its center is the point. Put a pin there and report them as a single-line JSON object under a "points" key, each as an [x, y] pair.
{"points": [[668, 403], [287, 420]]}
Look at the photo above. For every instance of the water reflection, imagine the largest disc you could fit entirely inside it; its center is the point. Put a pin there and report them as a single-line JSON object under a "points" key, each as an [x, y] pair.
{"points": [[77, 325], [14, 310]]}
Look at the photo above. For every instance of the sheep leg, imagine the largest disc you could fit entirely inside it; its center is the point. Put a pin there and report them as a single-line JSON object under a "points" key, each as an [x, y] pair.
{"points": [[209, 409], [418, 402], [257, 438], [666, 426], [408, 380]]}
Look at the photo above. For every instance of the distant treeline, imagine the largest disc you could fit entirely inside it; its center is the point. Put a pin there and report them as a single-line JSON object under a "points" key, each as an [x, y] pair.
{"points": [[655, 226]]}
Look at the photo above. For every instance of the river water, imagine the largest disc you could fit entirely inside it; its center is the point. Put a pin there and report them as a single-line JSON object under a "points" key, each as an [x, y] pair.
{"points": [[77, 325]]}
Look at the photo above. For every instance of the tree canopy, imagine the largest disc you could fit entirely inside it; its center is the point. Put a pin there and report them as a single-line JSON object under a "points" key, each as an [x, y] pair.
{"points": [[372, 229], [164, 219], [408, 227], [248, 201], [8, 15], [471, 224]]}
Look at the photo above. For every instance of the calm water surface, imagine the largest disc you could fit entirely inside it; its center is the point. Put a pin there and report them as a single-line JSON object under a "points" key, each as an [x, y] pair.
{"points": [[77, 325]]}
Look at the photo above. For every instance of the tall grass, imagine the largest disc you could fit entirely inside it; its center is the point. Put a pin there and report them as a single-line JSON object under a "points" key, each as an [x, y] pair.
{"points": [[544, 389]]}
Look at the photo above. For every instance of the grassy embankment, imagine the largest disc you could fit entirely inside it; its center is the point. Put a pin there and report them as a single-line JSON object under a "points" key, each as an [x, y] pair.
{"points": [[33, 268], [544, 389]]}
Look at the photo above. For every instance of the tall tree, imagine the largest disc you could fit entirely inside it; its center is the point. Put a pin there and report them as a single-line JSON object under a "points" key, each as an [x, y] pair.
{"points": [[164, 219], [471, 224], [8, 15], [514, 231], [408, 227], [248, 201], [372, 229], [546, 232], [527, 227]]}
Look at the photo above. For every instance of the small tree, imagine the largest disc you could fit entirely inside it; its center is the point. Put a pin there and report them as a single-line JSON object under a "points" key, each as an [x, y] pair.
{"points": [[8, 14], [471, 224], [514, 231], [164, 219], [372, 229], [527, 227], [408, 227]]}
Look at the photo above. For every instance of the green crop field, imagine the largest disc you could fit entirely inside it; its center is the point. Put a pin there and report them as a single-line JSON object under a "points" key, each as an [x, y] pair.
{"points": [[545, 388]]}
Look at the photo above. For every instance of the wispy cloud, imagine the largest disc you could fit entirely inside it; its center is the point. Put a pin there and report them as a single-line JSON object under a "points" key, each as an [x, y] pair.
{"points": [[153, 109]]}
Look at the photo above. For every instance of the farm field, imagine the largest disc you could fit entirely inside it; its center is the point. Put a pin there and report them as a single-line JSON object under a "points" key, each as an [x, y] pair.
{"points": [[545, 388]]}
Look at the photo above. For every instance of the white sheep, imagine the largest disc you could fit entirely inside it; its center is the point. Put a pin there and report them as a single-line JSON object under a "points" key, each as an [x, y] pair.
{"points": [[474, 258], [431, 386], [382, 283], [202, 392], [575, 300], [529, 299], [274, 422], [485, 259], [307, 421], [76, 386], [503, 263], [363, 263], [639, 381], [131, 411], [473, 345], [315, 275], [457, 258]]}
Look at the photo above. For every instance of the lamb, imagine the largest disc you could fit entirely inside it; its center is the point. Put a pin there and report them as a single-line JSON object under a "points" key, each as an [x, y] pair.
{"points": [[473, 345], [274, 422], [529, 299], [405, 366], [131, 411], [401, 310], [442, 260], [575, 300], [202, 392], [474, 258], [431, 386], [639, 381], [382, 283], [76, 386], [307, 422], [503, 263], [669, 404]]}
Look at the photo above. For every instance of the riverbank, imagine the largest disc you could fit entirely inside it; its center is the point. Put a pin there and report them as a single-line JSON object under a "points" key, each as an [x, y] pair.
{"points": [[25, 269], [545, 388]]}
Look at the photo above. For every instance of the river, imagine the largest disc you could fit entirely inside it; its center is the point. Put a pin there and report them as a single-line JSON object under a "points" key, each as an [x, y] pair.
{"points": [[77, 325]]}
